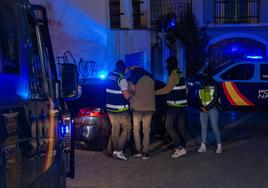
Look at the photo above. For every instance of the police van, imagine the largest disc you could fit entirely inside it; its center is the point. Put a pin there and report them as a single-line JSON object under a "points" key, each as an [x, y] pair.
{"points": [[36, 137], [242, 84]]}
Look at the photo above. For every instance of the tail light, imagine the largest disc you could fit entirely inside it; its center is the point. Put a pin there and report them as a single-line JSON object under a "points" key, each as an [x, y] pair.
{"points": [[89, 112]]}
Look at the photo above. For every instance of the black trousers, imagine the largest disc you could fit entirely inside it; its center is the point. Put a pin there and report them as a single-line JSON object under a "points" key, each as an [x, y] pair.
{"points": [[175, 125]]}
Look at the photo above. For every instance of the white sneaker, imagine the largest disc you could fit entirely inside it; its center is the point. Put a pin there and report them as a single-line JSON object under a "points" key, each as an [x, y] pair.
{"points": [[202, 148], [121, 156], [219, 149], [115, 152], [137, 155], [179, 152]]}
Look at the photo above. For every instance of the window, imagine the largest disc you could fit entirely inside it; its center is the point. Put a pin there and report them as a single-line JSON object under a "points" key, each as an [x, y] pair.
{"points": [[9, 51], [236, 11], [115, 14], [41, 62], [136, 6], [239, 72], [264, 72]]}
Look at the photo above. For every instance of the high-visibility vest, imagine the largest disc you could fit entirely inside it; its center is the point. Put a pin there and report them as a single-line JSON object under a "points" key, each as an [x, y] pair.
{"points": [[115, 101], [178, 97], [206, 94]]}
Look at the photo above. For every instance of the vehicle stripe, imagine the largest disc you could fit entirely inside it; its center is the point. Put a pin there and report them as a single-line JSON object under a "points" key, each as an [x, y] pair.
{"points": [[51, 137], [227, 94], [235, 97], [241, 95]]}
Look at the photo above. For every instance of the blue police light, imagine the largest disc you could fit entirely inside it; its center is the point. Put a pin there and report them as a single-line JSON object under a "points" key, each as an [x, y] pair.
{"points": [[102, 74], [254, 57], [64, 129], [172, 23]]}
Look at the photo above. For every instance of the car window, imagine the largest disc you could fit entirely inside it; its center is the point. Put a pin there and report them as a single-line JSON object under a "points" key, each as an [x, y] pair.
{"points": [[264, 72], [239, 72]]}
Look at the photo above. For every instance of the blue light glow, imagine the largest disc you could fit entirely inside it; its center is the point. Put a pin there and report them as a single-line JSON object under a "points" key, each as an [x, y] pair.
{"points": [[254, 57], [102, 74], [172, 23]]}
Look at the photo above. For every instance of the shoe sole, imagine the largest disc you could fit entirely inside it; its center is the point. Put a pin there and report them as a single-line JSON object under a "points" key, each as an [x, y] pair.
{"points": [[179, 155], [121, 159]]}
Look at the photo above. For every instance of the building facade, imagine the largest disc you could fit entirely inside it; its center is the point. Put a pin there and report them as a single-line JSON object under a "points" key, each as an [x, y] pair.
{"points": [[236, 28], [100, 32], [161, 10]]}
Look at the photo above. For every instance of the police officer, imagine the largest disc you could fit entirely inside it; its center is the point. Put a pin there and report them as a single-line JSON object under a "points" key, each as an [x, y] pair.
{"points": [[208, 100], [176, 104], [117, 96]]}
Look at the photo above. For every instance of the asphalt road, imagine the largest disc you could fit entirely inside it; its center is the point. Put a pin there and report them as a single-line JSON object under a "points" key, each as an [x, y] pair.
{"points": [[243, 162]]}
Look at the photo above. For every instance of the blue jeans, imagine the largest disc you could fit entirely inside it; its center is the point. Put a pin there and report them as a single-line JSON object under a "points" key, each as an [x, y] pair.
{"points": [[213, 116]]}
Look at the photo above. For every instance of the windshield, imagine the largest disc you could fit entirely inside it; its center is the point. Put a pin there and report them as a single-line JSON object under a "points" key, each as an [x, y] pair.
{"points": [[8, 40]]}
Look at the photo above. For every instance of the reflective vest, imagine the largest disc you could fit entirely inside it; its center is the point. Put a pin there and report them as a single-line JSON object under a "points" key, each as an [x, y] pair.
{"points": [[115, 101], [206, 94], [177, 97]]}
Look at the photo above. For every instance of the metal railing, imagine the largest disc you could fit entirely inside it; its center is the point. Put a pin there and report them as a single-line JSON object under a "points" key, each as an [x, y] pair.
{"points": [[164, 7], [236, 11]]}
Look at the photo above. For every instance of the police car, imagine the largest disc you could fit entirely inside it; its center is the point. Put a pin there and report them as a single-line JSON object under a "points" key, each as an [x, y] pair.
{"points": [[242, 83]]}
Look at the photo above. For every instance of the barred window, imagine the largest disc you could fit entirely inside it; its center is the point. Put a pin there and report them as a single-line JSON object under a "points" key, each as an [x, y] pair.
{"points": [[236, 11], [115, 14], [136, 8]]}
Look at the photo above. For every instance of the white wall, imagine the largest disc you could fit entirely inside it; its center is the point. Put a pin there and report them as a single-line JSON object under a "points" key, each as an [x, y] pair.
{"points": [[82, 26]]}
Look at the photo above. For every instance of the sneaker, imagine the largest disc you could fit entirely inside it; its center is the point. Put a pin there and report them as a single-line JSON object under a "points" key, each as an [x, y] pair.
{"points": [[179, 152], [115, 152], [145, 156], [121, 156], [137, 155], [202, 148], [219, 149]]}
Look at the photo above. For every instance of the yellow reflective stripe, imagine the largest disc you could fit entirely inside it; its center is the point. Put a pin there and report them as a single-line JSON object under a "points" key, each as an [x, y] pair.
{"points": [[119, 110], [116, 106], [177, 105]]}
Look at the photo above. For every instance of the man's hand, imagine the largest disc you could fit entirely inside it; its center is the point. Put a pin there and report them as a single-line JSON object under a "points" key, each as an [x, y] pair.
{"points": [[128, 94], [133, 87]]}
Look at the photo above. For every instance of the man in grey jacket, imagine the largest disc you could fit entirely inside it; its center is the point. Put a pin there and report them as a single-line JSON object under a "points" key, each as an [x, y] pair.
{"points": [[142, 105]]}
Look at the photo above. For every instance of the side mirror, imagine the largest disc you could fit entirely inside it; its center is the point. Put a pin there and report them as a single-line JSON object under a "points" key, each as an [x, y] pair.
{"points": [[69, 80]]}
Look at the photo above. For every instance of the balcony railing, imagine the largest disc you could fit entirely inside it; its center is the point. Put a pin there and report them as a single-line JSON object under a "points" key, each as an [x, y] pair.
{"points": [[236, 11], [161, 8]]}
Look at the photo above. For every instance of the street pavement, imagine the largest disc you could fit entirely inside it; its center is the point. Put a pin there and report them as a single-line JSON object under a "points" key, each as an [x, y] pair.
{"points": [[243, 162]]}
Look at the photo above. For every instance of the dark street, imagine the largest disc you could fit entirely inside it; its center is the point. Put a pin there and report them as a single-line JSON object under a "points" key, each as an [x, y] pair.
{"points": [[242, 163]]}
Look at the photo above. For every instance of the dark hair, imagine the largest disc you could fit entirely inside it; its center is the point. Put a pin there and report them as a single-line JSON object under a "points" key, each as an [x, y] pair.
{"points": [[120, 66], [172, 63]]}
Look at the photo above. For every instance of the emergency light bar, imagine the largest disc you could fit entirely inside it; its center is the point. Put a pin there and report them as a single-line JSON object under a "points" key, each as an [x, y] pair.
{"points": [[254, 57]]}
